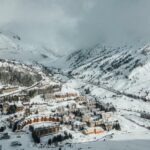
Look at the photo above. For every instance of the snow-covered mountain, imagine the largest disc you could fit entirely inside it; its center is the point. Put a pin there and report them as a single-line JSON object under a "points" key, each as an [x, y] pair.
{"points": [[12, 47], [124, 68]]}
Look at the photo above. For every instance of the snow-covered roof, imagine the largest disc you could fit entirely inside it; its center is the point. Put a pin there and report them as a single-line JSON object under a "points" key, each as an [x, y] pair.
{"points": [[45, 125]]}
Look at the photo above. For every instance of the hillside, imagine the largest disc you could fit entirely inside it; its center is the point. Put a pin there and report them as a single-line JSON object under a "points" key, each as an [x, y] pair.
{"points": [[117, 77], [14, 48], [124, 68]]}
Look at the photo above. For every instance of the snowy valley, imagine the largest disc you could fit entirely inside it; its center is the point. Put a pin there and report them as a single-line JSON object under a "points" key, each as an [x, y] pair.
{"points": [[93, 98]]}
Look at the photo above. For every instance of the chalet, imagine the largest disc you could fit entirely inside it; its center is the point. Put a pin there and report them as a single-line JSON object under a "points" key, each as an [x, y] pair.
{"points": [[19, 106], [78, 125], [95, 121], [109, 126], [107, 115], [68, 118], [5, 108], [93, 130]]}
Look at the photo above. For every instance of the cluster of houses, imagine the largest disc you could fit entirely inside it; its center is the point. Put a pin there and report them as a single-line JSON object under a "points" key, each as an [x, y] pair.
{"points": [[62, 107], [82, 115], [12, 107]]}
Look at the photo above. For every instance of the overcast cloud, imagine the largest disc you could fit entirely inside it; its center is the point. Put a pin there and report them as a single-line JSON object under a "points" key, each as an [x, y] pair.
{"points": [[65, 25]]}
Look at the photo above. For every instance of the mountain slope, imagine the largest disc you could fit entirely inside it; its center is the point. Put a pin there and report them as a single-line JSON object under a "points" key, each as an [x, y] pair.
{"points": [[12, 47], [124, 68]]}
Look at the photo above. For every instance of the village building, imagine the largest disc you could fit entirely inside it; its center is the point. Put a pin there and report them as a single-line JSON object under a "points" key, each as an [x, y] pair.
{"points": [[65, 95], [27, 112], [109, 126], [5, 107], [8, 89], [38, 108], [66, 92], [12, 107], [95, 121], [26, 104], [93, 130], [37, 119], [19, 106], [91, 105], [106, 116], [43, 129], [77, 125], [59, 109], [87, 118], [68, 118], [80, 99]]}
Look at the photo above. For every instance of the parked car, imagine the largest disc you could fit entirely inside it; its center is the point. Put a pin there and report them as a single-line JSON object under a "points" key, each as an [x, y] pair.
{"points": [[18, 136], [16, 143]]}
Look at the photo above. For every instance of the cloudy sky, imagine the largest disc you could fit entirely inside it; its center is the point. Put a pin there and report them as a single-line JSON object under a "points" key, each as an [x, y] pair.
{"points": [[65, 25]]}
